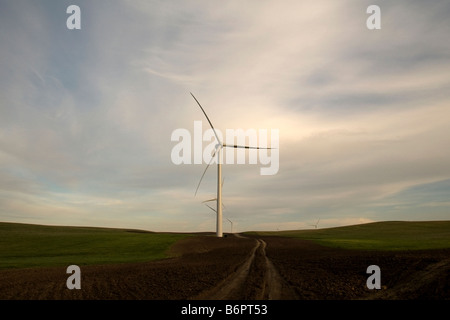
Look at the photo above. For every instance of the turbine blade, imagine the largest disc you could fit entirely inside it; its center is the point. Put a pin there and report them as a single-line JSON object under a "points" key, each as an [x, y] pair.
{"points": [[215, 199], [198, 186], [212, 127], [245, 147], [211, 208]]}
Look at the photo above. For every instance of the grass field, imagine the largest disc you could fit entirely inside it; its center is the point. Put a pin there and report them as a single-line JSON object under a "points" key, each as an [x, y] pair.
{"points": [[24, 245], [390, 235]]}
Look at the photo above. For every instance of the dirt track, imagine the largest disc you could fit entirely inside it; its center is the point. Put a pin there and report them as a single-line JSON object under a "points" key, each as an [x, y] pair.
{"points": [[256, 278], [205, 267]]}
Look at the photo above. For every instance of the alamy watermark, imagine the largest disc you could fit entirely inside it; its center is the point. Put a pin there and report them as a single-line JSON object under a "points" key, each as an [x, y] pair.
{"points": [[374, 281], [190, 150], [74, 281], [373, 22]]}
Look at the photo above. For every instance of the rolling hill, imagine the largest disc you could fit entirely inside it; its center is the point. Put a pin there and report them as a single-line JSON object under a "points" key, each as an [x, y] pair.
{"points": [[387, 235], [27, 245]]}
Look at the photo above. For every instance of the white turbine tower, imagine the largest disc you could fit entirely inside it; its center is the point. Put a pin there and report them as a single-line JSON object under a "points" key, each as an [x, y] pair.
{"points": [[218, 152]]}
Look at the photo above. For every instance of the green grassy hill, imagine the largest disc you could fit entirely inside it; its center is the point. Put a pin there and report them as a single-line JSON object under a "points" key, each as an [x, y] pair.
{"points": [[25, 245], [389, 235]]}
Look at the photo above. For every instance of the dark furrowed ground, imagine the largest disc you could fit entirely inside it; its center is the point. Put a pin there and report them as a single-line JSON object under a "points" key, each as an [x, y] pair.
{"points": [[317, 272], [201, 263], [204, 264]]}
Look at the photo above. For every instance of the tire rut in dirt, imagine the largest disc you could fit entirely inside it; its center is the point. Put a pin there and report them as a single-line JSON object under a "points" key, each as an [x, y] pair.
{"points": [[232, 287], [256, 279], [275, 287]]}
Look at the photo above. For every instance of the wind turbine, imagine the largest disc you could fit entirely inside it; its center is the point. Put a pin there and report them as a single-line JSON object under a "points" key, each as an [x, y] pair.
{"points": [[218, 152], [315, 225], [216, 212], [231, 224]]}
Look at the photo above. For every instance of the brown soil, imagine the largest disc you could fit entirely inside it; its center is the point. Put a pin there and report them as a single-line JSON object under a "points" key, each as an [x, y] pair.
{"points": [[317, 272], [205, 267]]}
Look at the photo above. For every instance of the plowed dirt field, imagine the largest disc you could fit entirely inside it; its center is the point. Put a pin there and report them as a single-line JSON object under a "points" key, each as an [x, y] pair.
{"points": [[244, 268]]}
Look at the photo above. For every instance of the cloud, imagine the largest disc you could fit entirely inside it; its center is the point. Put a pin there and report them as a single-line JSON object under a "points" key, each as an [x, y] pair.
{"points": [[87, 116]]}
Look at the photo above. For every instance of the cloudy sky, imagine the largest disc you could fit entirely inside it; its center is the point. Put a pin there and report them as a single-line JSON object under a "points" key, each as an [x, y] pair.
{"points": [[86, 116]]}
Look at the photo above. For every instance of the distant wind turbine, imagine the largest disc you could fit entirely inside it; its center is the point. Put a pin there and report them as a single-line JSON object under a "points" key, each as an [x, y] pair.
{"points": [[218, 152], [231, 224], [315, 225]]}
